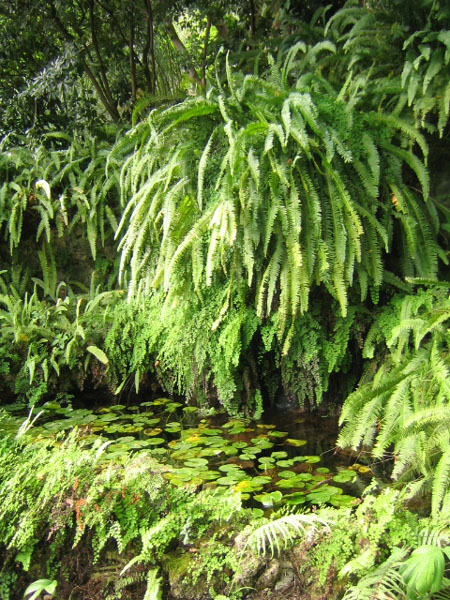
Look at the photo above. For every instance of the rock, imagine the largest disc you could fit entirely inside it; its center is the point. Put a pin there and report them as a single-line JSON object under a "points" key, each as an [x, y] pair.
{"points": [[270, 575]]}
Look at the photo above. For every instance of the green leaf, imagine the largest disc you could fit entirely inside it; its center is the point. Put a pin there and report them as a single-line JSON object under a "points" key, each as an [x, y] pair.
{"points": [[99, 354]]}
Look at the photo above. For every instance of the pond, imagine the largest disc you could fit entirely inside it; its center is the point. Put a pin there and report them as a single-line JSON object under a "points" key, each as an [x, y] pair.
{"points": [[291, 460]]}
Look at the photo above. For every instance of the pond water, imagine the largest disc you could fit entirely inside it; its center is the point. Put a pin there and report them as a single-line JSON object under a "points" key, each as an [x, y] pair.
{"points": [[291, 459]]}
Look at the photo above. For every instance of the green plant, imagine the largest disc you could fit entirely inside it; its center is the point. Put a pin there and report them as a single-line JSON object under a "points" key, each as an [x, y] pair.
{"points": [[402, 408], [282, 531], [276, 184], [423, 571], [39, 586]]}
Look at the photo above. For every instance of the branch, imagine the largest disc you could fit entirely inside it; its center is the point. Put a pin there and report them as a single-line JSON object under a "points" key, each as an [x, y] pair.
{"points": [[205, 51], [103, 77], [252, 18], [149, 48], [178, 44], [112, 110], [132, 57]]}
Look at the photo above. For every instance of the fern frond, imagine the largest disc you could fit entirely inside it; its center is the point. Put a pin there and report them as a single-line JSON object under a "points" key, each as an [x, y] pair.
{"points": [[281, 533]]}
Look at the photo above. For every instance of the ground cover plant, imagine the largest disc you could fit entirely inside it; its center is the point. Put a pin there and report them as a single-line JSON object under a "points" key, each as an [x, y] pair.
{"points": [[243, 213]]}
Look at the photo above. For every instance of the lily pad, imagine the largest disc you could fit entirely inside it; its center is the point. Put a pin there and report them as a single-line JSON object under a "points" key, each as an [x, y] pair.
{"points": [[173, 427], [229, 468], [230, 451], [278, 434], [280, 455], [269, 499], [261, 479], [342, 500], [287, 474], [295, 499], [311, 460], [152, 432], [364, 470], [285, 463], [287, 484], [196, 462], [319, 497], [245, 486], [266, 460], [240, 445], [295, 443], [344, 476], [323, 470], [247, 456], [155, 441]]}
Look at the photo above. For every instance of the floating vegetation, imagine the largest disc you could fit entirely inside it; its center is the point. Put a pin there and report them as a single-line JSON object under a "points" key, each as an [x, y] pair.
{"points": [[257, 460]]}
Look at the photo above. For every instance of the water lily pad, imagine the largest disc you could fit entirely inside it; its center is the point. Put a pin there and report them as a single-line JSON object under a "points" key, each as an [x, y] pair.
{"points": [[287, 484], [245, 486], [261, 479], [215, 442], [266, 460], [253, 450], [196, 462], [264, 444], [280, 455], [229, 468], [240, 444], [319, 497], [295, 443], [344, 476], [211, 432], [257, 513], [173, 427], [311, 460], [285, 463], [235, 427], [323, 470], [330, 489], [54, 426], [287, 474], [269, 499], [295, 498], [172, 406], [210, 452], [210, 475], [190, 409], [343, 500], [152, 432], [230, 451], [107, 418], [155, 441], [278, 434], [230, 479], [157, 451], [246, 456], [195, 439], [364, 470]]}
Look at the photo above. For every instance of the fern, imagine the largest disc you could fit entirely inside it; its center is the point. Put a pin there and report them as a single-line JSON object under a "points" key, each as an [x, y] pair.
{"points": [[281, 532], [406, 405]]}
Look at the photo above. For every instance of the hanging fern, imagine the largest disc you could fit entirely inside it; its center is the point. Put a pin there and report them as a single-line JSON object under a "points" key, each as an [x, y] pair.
{"points": [[276, 183]]}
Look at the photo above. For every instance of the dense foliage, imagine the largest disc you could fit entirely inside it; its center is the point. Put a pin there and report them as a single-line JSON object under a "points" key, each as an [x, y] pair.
{"points": [[248, 209]]}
